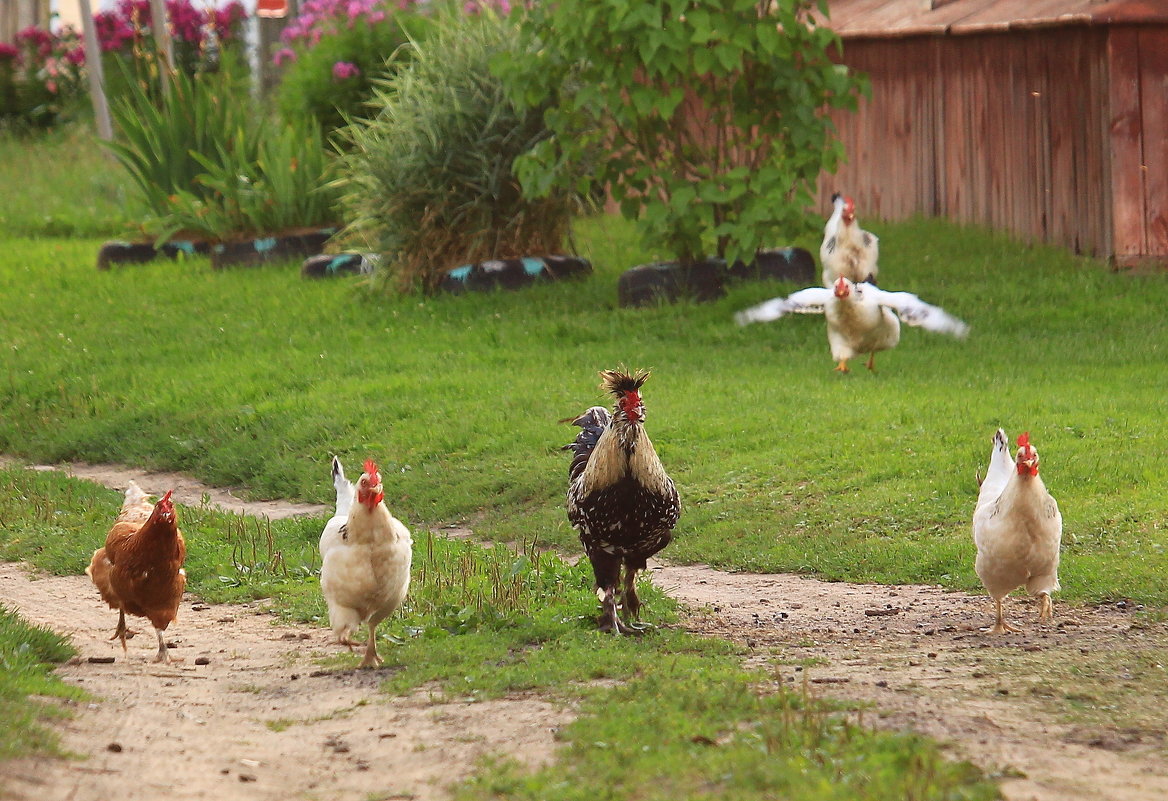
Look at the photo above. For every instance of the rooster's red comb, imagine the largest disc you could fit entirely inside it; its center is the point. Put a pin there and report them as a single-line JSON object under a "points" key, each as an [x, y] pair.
{"points": [[370, 467], [166, 498], [1024, 439]]}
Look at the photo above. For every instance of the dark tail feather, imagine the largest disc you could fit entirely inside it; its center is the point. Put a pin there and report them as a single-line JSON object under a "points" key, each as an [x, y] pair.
{"points": [[592, 424]]}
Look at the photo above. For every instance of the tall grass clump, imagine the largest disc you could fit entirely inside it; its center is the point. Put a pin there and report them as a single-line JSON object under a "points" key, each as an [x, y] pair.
{"points": [[428, 179], [204, 163]]}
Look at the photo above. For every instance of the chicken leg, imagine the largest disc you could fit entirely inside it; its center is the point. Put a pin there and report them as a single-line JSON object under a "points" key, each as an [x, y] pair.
{"points": [[122, 632], [871, 365], [842, 367], [163, 651], [1000, 624], [609, 619], [631, 602], [371, 659], [1045, 607]]}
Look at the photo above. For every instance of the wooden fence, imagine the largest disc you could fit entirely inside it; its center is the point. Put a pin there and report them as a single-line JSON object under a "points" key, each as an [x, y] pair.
{"points": [[16, 15]]}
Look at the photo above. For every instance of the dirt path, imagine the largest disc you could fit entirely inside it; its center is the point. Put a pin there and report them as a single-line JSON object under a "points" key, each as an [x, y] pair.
{"points": [[259, 718]]}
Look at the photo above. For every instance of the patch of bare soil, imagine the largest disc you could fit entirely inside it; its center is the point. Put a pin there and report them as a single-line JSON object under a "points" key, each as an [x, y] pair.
{"points": [[248, 713], [915, 657], [259, 720]]}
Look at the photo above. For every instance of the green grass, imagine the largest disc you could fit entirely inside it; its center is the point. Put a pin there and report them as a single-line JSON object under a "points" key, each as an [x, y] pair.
{"points": [[27, 684], [61, 183], [668, 715], [255, 377]]}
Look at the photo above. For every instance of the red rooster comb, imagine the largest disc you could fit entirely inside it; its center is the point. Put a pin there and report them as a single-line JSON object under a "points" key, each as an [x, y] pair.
{"points": [[166, 498], [1024, 439], [371, 468]]}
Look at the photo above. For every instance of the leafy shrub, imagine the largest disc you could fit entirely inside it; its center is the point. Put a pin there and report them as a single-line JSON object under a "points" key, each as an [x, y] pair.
{"points": [[206, 165], [163, 134], [428, 180], [713, 114], [336, 49], [284, 187], [41, 78]]}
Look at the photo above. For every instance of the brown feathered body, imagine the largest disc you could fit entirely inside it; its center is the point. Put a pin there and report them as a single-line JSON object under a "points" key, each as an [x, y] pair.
{"points": [[620, 499], [139, 571]]}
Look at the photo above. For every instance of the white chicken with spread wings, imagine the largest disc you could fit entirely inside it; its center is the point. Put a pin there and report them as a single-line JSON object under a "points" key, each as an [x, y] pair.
{"points": [[847, 250], [861, 318], [365, 560], [1017, 528]]}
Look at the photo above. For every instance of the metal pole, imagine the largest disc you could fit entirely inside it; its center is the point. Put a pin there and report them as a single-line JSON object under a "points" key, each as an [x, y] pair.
{"points": [[101, 115]]}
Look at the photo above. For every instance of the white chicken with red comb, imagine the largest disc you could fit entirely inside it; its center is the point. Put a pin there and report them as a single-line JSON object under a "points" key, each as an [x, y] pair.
{"points": [[847, 250], [1017, 529], [365, 561], [861, 318]]}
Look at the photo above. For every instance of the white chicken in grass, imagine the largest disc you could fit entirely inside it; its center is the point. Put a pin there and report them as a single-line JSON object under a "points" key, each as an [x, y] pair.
{"points": [[365, 560], [1017, 529], [861, 318], [847, 250]]}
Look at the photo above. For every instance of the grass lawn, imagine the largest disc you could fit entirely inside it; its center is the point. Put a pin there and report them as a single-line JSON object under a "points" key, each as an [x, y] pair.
{"points": [[255, 377]]}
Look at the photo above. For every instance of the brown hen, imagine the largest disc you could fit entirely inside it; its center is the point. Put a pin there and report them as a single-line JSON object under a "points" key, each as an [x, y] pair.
{"points": [[139, 571]]}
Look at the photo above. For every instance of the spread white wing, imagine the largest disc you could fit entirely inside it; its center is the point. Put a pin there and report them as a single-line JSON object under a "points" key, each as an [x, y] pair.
{"points": [[914, 311], [812, 300]]}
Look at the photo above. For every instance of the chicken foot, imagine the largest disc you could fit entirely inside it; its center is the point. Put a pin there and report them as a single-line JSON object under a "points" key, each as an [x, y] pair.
{"points": [[842, 367], [1000, 624], [1045, 607], [609, 619], [631, 601], [371, 659], [123, 632]]}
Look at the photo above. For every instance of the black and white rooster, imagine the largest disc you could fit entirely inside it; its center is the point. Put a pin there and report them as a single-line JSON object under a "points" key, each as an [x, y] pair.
{"points": [[620, 499]]}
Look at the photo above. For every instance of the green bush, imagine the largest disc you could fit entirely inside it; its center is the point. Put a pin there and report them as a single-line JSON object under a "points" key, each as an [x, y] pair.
{"points": [[313, 86], [164, 133], [713, 114], [206, 165], [428, 180]]}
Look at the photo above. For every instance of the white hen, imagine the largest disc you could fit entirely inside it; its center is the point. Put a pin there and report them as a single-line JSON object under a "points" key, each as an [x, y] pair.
{"points": [[847, 250], [861, 318], [365, 570], [1017, 529]]}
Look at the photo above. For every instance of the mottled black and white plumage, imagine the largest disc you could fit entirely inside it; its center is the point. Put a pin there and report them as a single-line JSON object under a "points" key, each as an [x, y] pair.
{"points": [[620, 499], [847, 249]]}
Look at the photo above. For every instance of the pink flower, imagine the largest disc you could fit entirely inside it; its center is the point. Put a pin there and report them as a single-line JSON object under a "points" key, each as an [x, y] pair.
{"points": [[8, 53], [283, 55], [345, 69]]}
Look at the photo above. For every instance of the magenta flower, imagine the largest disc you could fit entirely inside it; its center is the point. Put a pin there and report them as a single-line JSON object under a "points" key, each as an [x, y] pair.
{"points": [[283, 55], [9, 54], [345, 69]]}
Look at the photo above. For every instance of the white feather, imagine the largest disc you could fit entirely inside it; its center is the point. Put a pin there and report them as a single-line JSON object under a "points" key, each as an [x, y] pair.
{"points": [[332, 529]]}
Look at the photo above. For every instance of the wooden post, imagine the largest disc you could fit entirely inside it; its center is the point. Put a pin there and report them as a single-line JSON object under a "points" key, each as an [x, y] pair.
{"points": [[101, 114], [161, 35]]}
